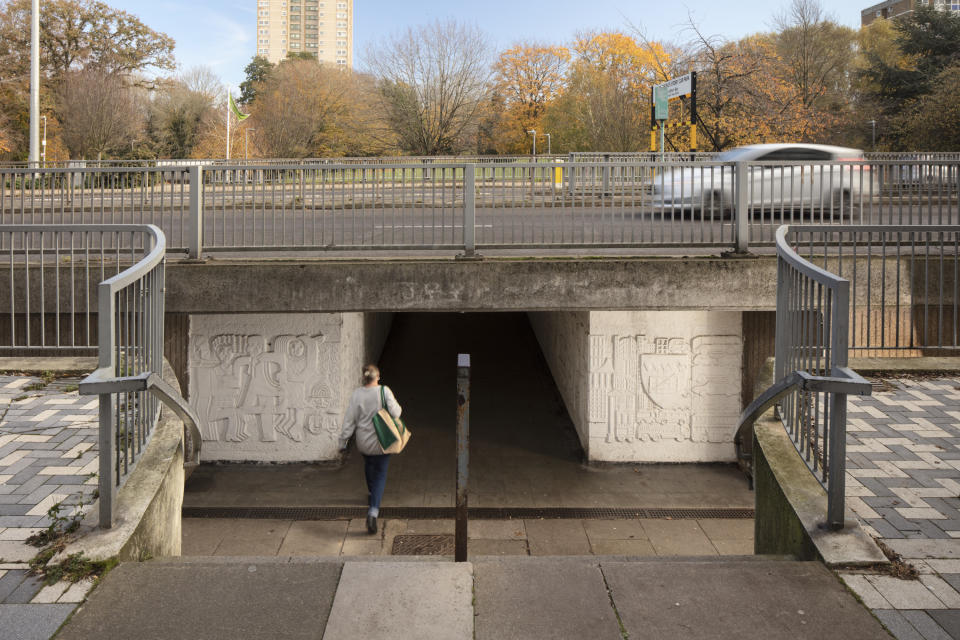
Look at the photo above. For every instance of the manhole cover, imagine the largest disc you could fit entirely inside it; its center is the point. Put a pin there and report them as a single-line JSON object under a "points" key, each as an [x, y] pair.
{"points": [[423, 545]]}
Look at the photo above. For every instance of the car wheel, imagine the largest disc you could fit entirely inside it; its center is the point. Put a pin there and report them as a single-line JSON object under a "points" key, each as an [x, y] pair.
{"points": [[716, 206], [841, 203]]}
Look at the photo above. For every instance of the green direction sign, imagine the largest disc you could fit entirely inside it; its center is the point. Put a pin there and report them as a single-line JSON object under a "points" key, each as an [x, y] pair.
{"points": [[660, 103]]}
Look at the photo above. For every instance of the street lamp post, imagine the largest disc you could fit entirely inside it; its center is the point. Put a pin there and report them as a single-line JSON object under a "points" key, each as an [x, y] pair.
{"points": [[533, 132], [34, 83], [873, 135], [548, 145], [43, 144]]}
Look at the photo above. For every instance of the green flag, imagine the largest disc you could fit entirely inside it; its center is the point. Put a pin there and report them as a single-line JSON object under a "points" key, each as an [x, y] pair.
{"points": [[236, 111]]}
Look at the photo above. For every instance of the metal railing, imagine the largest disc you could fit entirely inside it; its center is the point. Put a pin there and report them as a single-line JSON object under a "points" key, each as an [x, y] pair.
{"points": [[512, 203], [811, 376], [53, 271], [129, 316], [904, 284]]}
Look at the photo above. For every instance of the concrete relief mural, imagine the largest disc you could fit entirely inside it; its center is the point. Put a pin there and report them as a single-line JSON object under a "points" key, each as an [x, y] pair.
{"points": [[267, 388], [664, 388], [251, 387]]}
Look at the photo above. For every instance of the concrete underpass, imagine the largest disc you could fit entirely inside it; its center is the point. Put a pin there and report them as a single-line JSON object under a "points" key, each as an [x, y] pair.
{"points": [[524, 450]]}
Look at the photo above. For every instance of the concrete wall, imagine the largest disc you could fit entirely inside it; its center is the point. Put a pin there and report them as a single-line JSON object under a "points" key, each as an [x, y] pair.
{"points": [[647, 386], [376, 330], [564, 339], [272, 387], [664, 385]]}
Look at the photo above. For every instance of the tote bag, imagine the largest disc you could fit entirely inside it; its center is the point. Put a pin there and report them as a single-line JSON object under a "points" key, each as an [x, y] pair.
{"points": [[392, 434]]}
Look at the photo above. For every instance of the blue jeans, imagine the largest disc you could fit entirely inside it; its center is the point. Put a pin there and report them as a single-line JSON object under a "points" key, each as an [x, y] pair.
{"points": [[375, 469]]}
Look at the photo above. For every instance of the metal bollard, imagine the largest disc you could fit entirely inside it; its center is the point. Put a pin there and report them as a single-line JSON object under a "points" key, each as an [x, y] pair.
{"points": [[463, 455]]}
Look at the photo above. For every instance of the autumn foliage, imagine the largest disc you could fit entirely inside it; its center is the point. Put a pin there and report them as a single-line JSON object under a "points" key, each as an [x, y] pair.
{"points": [[439, 88]]}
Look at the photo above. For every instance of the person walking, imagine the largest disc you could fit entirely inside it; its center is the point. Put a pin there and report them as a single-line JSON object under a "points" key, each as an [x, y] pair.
{"points": [[364, 404]]}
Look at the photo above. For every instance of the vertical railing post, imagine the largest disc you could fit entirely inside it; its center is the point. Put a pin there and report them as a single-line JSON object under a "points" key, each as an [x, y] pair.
{"points": [[106, 335], [839, 335], [782, 324], [469, 211], [606, 175], [463, 455], [742, 212], [571, 175], [196, 212]]}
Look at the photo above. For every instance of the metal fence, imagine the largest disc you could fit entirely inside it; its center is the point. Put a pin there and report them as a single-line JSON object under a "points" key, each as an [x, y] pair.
{"points": [[53, 271], [870, 289], [514, 203], [904, 296]]}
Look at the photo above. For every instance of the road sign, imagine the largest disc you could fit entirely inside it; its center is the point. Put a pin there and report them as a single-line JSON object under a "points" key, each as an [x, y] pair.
{"points": [[677, 87]]}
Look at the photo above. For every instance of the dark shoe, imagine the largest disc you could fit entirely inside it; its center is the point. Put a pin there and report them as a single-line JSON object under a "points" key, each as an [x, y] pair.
{"points": [[371, 524]]}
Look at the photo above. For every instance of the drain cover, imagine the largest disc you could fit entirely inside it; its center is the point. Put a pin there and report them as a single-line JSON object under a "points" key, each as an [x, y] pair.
{"points": [[423, 545]]}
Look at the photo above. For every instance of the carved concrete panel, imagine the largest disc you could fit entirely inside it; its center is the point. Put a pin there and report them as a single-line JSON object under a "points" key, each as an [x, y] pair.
{"points": [[664, 385], [266, 387]]}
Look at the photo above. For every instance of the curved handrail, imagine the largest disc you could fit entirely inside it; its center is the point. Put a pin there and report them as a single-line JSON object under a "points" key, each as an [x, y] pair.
{"points": [[850, 383], [785, 251], [96, 383]]}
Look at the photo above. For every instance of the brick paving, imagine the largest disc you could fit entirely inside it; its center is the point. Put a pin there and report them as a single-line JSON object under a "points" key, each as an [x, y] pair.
{"points": [[903, 483], [48, 456]]}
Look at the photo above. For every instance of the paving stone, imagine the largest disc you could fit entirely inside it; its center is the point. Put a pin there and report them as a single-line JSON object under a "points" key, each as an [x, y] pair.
{"points": [[50, 594], [9, 582], [478, 547], [695, 600], [905, 594], [557, 537], [541, 598], [25, 591], [32, 621], [940, 588], [229, 600], [859, 584], [949, 621], [77, 591]]}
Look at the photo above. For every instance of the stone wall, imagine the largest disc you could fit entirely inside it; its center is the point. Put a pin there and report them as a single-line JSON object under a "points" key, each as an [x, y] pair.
{"points": [[273, 387]]}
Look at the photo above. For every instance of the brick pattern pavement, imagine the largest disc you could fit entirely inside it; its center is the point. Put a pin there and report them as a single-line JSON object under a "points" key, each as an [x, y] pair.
{"points": [[903, 459], [48, 450], [48, 455], [903, 482]]}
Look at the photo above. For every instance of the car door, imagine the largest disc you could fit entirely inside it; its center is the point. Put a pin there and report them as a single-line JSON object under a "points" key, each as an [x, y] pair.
{"points": [[794, 185]]}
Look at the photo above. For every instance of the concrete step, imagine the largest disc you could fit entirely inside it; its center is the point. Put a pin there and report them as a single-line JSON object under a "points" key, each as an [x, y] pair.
{"points": [[495, 598]]}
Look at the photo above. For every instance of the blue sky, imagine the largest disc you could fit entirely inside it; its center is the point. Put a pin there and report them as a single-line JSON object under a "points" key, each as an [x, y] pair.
{"points": [[220, 33]]}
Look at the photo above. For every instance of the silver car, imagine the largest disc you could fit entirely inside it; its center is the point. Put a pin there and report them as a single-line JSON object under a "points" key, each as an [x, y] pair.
{"points": [[780, 177]]}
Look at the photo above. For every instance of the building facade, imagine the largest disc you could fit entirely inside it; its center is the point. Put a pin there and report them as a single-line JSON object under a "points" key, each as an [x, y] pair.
{"points": [[323, 28], [899, 8]]}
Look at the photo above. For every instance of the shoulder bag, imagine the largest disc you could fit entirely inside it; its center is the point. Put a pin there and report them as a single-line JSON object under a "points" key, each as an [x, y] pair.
{"points": [[392, 434]]}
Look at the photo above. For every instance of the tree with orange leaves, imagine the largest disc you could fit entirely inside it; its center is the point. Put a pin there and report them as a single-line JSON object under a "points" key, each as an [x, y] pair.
{"points": [[606, 104], [529, 77]]}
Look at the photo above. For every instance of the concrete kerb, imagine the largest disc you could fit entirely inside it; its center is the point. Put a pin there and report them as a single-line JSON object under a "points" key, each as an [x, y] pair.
{"points": [[791, 505], [148, 520]]}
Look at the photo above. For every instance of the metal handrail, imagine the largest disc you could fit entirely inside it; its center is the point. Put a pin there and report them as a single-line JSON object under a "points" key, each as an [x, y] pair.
{"points": [[812, 336], [130, 337], [850, 383], [99, 383]]}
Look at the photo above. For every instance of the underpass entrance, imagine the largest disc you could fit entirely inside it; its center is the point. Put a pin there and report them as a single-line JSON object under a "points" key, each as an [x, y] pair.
{"points": [[523, 446], [525, 452]]}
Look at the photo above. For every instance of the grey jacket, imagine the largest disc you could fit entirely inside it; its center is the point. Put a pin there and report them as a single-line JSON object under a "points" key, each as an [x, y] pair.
{"points": [[364, 404]]}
